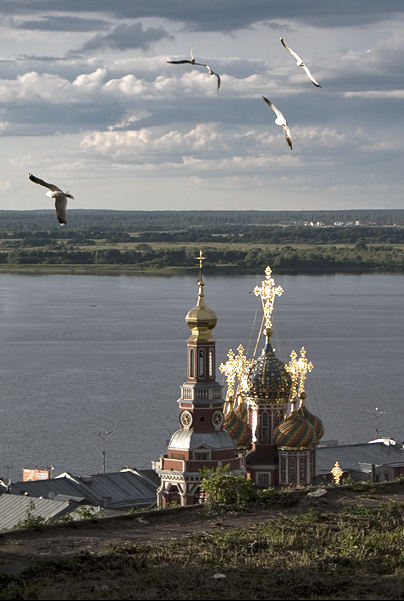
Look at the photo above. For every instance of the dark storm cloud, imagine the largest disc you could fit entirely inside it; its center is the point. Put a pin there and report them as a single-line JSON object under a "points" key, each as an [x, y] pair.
{"points": [[72, 24], [126, 37], [223, 15]]}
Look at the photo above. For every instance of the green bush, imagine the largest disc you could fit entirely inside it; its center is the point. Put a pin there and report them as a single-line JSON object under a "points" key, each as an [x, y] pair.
{"points": [[225, 489]]}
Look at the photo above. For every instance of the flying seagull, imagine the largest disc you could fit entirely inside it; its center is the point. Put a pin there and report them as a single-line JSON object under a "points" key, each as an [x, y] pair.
{"points": [[192, 62], [185, 62], [59, 196], [280, 120], [300, 63], [212, 73]]}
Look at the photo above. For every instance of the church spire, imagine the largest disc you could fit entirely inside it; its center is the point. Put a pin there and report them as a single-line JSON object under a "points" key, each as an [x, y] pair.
{"points": [[201, 320]]}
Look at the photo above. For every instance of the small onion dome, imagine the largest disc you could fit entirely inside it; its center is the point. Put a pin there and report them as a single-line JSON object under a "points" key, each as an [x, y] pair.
{"points": [[238, 428], [268, 382], [312, 419], [295, 433], [201, 320]]}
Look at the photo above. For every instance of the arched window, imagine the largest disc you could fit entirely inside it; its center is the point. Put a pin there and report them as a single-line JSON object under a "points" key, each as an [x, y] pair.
{"points": [[284, 469], [292, 470], [264, 427], [312, 463], [211, 363], [302, 469], [201, 363], [192, 363]]}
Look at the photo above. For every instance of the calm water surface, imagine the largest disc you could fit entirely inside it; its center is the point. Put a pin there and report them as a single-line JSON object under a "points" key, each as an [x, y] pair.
{"points": [[86, 354]]}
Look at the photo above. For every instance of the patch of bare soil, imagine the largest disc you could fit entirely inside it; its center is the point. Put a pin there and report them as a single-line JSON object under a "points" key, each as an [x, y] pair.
{"points": [[19, 548]]}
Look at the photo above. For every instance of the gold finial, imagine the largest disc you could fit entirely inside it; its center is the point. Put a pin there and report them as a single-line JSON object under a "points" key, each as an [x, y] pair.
{"points": [[337, 473], [303, 366], [293, 368], [200, 258], [267, 292]]}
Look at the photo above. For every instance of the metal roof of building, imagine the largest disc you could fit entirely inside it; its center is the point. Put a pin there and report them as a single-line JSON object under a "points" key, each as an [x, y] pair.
{"points": [[126, 488], [66, 486], [15, 509], [360, 456], [188, 439], [122, 489]]}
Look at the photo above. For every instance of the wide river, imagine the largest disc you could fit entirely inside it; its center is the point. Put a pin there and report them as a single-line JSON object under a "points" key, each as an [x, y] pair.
{"points": [[84, 354]]}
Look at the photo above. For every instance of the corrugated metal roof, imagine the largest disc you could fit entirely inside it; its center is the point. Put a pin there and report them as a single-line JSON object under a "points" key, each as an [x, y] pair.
{"points": [[117, 489], [352, 457], [59, 486], [122, 489], [15, 508]]}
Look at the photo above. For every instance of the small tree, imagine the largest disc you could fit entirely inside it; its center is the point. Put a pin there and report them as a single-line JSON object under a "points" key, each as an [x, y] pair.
{"points": [[223, 488]]}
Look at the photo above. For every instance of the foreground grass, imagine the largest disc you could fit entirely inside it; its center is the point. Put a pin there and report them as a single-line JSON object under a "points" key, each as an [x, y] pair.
{"points": [[355, 554]]}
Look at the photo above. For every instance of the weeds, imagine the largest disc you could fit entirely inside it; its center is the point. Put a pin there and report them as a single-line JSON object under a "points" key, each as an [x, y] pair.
{"points": [[31, 520]]}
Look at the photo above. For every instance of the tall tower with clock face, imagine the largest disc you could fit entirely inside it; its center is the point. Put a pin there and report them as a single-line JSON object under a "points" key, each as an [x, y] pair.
{"points": [[200, 440]]}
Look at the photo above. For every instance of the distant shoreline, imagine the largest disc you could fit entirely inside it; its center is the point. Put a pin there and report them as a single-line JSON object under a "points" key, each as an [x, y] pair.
{"points": [[229, 270]]}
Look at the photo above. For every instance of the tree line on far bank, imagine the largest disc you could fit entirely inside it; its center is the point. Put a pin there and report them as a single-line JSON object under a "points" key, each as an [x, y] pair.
{"points": [[217, 235], [283, 259]]}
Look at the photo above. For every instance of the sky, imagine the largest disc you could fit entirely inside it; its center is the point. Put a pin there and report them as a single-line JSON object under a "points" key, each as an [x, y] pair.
{"points": [[89, 103]]}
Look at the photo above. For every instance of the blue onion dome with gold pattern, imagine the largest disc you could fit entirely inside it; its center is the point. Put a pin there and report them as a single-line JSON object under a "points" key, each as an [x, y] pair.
{"points": [[295, 433], [312, 419], [268, 382]]}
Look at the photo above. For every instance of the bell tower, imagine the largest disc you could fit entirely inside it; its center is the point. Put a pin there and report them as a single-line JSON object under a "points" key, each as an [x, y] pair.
{"points": [[200, 441]]}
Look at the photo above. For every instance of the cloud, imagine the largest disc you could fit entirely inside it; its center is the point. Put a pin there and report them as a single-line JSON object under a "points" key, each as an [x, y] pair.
{"points": [[225, 15], [213, 144], [375, 94], [58, 23], [126, 37]]}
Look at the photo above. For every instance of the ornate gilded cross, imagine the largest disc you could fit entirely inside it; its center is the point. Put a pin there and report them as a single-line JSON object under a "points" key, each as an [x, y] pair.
{"points": [[229, 369], [293, 368], [337, 472], [234, 368], [303, 367], [242, 365], [267, 292]]}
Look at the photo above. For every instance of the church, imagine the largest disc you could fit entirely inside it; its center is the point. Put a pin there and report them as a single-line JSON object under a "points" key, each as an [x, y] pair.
{"points": [[262, 428]]}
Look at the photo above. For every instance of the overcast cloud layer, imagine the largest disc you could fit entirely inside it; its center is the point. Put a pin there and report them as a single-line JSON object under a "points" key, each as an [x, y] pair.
{"points": [[88, 101]]}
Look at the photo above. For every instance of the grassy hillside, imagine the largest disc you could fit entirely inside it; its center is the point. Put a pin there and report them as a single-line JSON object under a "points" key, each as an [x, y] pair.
{"points": [[347, 545]]}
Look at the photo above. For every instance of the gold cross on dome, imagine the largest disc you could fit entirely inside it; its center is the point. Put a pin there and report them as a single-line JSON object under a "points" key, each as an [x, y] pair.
{"points": [[293, 369], [200, 258], [242, 365], [229, 369], [267, 292], [303, 367]]}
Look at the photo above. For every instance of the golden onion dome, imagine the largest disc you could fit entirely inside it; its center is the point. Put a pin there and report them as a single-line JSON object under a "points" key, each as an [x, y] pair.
{"points": [[201, 320]]}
